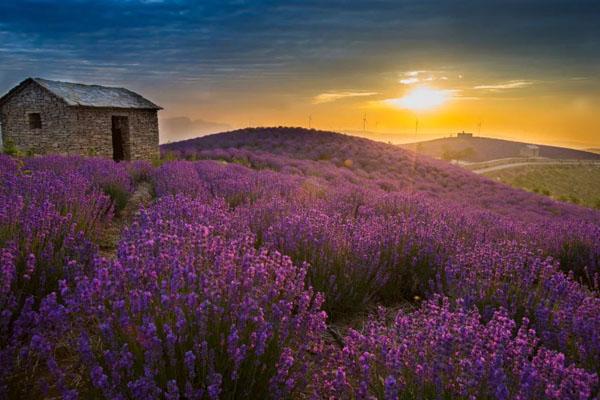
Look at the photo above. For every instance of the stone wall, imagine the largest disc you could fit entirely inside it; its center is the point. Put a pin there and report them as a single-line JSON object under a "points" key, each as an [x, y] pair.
{"points": [[75, 130], [94, 127], [56, 116]]}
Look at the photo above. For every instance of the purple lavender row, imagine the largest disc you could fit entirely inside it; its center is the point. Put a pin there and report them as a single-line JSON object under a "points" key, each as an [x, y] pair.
{"points": [[200, 302]]}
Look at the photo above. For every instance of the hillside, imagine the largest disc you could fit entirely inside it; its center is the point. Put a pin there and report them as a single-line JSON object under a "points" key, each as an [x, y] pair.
{"points": [[243, 261], [477, 149], [322, 154], [579, 184]]}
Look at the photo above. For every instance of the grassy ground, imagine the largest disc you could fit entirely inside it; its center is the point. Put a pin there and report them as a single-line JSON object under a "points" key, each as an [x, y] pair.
{"points": [[574, 183]]}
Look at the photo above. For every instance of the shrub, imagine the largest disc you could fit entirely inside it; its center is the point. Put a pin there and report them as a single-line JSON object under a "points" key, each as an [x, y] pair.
{"points": [[118, 196], [565, 314], [10, 148], [139, 170], [46, 226], [441, 351], [178, 177], [106, 175], [188, 313], [202, 300]]}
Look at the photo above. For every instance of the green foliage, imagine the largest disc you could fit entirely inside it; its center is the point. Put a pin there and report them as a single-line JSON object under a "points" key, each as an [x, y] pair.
{"points": [[168, 156], [575, 256], [577, 184], [9, 147], [118, 195], [242, 161]]}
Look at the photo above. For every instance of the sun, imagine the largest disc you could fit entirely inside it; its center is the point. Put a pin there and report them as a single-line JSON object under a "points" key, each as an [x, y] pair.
{"points": [[422, 99]]}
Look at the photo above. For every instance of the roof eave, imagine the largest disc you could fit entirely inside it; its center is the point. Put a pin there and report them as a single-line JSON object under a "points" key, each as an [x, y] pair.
{"points": [[15, 90], [22, 85], [156, 108]]}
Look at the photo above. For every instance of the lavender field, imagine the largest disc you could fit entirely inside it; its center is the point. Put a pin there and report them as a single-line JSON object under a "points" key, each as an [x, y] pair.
{"points": [[291, 264]]}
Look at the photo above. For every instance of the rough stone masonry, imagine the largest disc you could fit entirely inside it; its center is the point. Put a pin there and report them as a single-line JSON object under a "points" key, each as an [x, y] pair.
{"points": [[50, 117]]}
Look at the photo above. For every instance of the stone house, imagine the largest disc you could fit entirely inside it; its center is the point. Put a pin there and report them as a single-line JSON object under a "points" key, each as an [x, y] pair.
{"points": [[43, 116]]}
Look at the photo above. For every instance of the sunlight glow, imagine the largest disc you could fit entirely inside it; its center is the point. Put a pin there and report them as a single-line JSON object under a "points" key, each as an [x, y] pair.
{"points": [[422, 98]]}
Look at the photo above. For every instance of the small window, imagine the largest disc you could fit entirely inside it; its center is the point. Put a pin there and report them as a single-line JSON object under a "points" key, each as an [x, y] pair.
{"points": [[35, 121]]}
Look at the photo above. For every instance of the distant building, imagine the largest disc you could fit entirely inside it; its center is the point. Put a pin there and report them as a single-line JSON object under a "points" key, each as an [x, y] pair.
{"points": [[464, 135], [530, 150], [44, 116]]}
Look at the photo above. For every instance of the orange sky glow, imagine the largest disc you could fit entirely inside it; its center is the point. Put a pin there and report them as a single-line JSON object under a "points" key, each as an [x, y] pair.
{"points": [[524, 70], [557, 112]]}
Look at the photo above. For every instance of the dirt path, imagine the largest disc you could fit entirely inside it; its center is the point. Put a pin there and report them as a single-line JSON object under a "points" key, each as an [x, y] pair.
{"points": [[111, 235]]}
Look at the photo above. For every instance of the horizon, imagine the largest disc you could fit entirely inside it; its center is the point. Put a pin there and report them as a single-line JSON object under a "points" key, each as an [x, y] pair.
{"points": [[389, 138], [407, 139], [398, 72]]}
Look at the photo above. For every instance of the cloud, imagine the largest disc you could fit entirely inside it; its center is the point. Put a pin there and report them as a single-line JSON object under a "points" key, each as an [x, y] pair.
{"points": [[514, 84], [218, 44], [412, 77], [181, 128], [328, 97], [409, 81]]}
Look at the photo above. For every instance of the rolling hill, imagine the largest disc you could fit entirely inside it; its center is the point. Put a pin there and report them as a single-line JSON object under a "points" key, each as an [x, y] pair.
{"points": [[477, 149], [322, 154]]}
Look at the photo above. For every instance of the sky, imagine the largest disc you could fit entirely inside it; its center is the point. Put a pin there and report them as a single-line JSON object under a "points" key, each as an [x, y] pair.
{"points": [[392, 70]]}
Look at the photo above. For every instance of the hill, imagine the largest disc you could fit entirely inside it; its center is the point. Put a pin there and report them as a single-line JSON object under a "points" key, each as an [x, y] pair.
{"points": [[323, 154], [477, 149], [242, 262]]}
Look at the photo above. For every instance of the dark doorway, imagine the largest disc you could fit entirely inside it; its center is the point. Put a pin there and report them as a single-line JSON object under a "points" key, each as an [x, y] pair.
{"points": [[120, 136]]}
